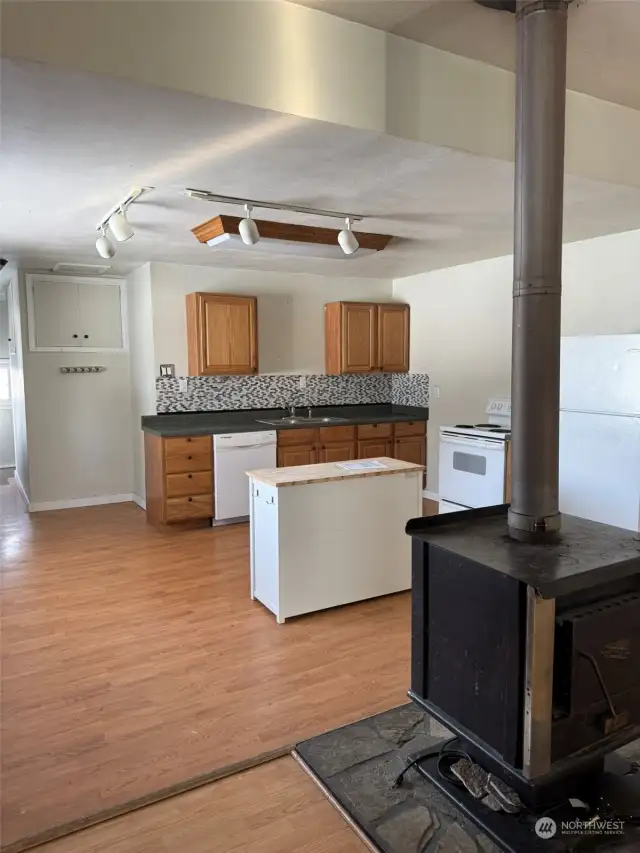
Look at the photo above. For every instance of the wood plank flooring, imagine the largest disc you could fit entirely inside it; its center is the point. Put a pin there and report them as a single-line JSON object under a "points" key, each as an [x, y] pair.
{"points": [[134, 659], [274, 808]]}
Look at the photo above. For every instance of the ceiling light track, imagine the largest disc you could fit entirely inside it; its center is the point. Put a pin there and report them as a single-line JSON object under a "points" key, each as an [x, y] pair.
{"points": [[205, 195], [116, 220]]}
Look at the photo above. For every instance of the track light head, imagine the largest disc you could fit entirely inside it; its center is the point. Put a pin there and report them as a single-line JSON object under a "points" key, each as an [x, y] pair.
{"points": [[247, 228], [104, 246], [120, 228], [348, 240]]}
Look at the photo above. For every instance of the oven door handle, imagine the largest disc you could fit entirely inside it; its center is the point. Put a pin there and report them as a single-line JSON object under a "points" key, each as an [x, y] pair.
{"points": [[478, 443]]}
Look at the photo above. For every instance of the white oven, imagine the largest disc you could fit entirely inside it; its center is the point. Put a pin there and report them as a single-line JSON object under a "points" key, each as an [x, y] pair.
{"points": [[471, 470]]}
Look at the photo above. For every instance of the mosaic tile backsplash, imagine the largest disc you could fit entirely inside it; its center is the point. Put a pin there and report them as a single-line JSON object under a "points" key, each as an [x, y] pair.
{"points": [[274, 391]]}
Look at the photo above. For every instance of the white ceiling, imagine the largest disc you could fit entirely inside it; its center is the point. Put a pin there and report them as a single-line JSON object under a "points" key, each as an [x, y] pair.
{"points": [[73, 144], [604, 36]]}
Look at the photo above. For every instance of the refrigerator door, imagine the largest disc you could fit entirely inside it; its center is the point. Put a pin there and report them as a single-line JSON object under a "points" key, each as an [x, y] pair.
{"points": [[600, 468], [600, 373]]}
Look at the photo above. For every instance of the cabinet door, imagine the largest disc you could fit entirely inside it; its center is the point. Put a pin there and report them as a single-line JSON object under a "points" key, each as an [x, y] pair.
{"points": [[100, 316], [393, 338], [358, 337], [55, 320], [411, 449], [371, 448], [222, 334], [297, 455], [337, 452]]}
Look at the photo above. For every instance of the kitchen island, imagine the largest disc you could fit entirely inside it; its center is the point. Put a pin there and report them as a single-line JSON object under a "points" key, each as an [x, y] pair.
{"points": [[331, 534]]}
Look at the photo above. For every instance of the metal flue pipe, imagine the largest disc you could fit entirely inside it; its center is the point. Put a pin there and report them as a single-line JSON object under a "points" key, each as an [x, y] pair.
{"points": [[537, 283]]}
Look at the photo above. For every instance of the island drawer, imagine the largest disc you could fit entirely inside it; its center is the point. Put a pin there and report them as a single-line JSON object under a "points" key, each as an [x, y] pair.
{"points": [[198, 483], [187, 462], [331, 435], [183, 445], [185, 508], [408, 428], [297, 436], [375, 431]]}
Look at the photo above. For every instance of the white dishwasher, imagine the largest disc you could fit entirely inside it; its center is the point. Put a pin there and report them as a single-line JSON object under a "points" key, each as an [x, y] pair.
{"points": [[233, 455]]}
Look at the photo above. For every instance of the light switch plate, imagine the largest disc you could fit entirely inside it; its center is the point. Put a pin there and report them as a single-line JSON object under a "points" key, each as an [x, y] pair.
{"points": [[167, 370], [183, 385]]}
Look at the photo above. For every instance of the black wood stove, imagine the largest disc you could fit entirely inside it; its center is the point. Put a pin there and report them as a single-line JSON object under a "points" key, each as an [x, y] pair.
{"points": [[526, 626], [530, 654]]}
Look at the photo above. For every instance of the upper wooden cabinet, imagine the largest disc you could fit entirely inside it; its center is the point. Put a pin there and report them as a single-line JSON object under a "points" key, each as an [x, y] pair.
{"points": [[222, 334], [363, 337]]}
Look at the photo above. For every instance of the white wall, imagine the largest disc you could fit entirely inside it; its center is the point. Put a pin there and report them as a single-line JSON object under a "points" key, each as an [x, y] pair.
{"points": [[143, 369], [78, 426], [291, 59], [461, 322], [290, 311], [17, 307], [7, 454]]}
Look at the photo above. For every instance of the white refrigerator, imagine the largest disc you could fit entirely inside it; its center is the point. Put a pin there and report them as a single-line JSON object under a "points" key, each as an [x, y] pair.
{"points": [[600, 429]]}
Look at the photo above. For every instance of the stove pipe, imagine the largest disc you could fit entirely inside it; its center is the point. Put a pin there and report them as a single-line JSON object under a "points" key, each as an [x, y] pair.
{"points": [[539, 175]]}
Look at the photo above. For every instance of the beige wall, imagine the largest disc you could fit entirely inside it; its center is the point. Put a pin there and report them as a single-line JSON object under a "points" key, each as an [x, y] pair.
{"points": [[78, 426], [290, 311], [461, 322], [279, 56], [143, 369]]}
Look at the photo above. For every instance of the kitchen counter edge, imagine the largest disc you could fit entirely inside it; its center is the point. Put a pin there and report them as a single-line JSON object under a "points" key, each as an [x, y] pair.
{"points": [[248, 421]]}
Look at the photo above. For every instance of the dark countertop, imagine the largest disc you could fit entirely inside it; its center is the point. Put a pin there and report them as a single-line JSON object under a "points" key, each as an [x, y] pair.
{"points": [[214, 423], [588, 554]]}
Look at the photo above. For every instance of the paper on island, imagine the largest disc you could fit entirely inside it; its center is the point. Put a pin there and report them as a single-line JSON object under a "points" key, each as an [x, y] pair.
{"points": [[361, 465]]}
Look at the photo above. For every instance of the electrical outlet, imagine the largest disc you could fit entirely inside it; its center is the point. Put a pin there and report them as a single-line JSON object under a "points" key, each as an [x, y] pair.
{"points": [[303, 382], [183, 385], [435, 391]]}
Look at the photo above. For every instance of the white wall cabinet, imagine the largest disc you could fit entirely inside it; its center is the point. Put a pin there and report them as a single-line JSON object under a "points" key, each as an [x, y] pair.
{"points": [[71, 314]]}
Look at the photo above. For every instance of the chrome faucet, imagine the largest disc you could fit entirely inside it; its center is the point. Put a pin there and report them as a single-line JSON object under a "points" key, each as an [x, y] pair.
{"points": [[292, 410]]}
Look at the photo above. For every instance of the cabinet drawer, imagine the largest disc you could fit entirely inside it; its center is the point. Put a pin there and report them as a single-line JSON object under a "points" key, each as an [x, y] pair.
{"points": [[191, 506], [330, 435], [188, 462], [297, 436], [375, 431], [410, 428], [188, 445], [198, 483]]}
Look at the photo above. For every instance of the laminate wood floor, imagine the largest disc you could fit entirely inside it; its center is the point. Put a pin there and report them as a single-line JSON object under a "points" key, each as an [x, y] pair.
{"points": [[133, 660], [274, 808]]}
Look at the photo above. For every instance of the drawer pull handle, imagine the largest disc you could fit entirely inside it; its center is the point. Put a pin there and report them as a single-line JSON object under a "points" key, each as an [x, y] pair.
{"points": [[190, 476], [189, 457], [188, 439], [189, 499]]}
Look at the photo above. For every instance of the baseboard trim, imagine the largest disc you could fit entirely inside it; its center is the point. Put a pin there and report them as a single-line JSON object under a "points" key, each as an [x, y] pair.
{"points": [[45, 506], [140, 501], [430, 496], [21, 489], [7, 465]]}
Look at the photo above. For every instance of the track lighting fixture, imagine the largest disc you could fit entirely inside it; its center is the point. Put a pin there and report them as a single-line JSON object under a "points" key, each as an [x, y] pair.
{"points": [[347, 239], [247, 228], [116, 220], [104, 246], [120, 228]]}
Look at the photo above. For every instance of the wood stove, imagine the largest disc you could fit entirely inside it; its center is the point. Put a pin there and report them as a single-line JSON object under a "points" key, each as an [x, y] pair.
{"points": [[529, 653]]}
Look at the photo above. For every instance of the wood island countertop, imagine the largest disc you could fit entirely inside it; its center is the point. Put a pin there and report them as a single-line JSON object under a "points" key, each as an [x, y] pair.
{"points": [[329, 472]]}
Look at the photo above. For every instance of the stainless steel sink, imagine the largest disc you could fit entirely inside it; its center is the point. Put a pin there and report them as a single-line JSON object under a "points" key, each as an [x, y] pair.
{"points": [[289, 421]]}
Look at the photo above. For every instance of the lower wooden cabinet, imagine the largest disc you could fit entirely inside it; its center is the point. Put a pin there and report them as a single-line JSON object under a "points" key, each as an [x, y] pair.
{"points": [[405, 440], [304, 454], [338, 452], [179, 478], [411, 449], [370, 448]]}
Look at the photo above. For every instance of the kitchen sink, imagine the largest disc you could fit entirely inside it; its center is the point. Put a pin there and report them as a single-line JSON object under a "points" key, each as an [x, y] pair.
{"points": [[289, 421]]}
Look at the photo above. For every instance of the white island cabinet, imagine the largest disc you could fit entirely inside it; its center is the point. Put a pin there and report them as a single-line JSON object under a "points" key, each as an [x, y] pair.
{"points": [[330, 534]]}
